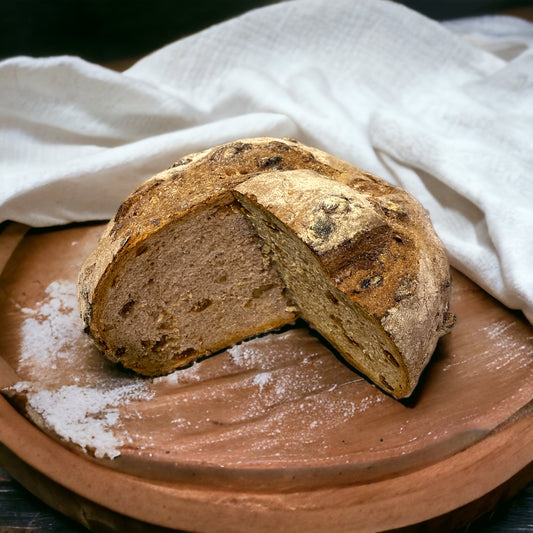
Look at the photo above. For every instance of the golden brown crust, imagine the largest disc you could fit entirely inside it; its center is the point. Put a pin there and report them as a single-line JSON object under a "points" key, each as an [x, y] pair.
{"points": [[403, 282]]}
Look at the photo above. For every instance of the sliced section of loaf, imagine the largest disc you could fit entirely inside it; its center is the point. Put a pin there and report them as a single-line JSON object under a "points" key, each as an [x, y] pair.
{"points": [[183, 271], [187, 289], [340, 259]]}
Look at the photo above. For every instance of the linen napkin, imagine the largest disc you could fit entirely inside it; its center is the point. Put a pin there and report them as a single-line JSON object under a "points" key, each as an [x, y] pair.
{"points": [[443, 110]]}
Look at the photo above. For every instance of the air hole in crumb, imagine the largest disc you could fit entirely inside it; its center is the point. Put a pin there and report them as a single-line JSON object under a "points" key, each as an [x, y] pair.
{"points": [[272, 227], [159, 345], [259, 291], [201, 305], [119, 352], [141, 250], [164, 320], [392, 359], [331, 298], [222, 279], [185, 353], [335, 319], [353, 341], [126, 308], [385, 383]]}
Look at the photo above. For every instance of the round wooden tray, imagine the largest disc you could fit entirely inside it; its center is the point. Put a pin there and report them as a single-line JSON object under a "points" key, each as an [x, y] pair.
{"points": [[273, 435]]}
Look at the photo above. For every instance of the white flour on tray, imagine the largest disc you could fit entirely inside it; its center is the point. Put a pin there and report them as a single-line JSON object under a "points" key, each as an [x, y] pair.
{"points": [[84, 409]]}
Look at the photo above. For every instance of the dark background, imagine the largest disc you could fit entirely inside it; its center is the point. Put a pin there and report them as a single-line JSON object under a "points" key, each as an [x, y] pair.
{"points": [[110, 30]]}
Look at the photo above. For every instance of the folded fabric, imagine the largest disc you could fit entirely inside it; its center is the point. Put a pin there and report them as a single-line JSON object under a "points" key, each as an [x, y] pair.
{"points": [[443, 110]]}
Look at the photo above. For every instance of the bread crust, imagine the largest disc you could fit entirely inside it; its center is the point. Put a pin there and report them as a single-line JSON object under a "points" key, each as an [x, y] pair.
{"points": [[404, 284], [399, 281]]}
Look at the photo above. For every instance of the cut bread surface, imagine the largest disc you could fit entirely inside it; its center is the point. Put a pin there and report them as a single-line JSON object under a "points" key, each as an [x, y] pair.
{"points": [[246, 237], [189, 290], [307, 222]]}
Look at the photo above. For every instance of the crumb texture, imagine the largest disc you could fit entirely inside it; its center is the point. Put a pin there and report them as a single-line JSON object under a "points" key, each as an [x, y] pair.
{"points": [[189, 290]]}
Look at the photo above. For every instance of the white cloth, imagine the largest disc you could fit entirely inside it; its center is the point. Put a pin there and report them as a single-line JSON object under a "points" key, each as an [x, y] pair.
{"points": [[444, 110]]}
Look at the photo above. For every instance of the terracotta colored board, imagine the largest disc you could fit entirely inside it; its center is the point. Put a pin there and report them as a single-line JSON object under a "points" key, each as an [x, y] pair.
{"points": [[271, 434]]}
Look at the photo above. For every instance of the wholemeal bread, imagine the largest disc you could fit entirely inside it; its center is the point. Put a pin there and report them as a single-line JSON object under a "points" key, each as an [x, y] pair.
{"points": [[249, 236]]}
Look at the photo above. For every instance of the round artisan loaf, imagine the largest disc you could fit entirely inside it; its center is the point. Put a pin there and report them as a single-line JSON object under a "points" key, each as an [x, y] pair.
{"points": [[251, 235]]}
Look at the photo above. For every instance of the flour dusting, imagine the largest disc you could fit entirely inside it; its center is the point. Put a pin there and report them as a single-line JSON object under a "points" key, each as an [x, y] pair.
{"points": [[80, 399], [52, 328], [505, 348], [84, 416], [262, 379]]}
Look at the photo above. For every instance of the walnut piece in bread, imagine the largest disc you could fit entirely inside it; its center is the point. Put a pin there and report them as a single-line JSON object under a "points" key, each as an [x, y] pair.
{"points": [[247, 237]]}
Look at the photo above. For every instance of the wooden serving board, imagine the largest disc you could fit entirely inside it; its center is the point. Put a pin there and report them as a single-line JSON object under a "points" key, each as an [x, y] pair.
{"points": [[275, 434]]}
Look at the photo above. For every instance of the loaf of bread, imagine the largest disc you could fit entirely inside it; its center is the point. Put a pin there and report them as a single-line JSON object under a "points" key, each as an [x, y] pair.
{"points": [[249, 236]]}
